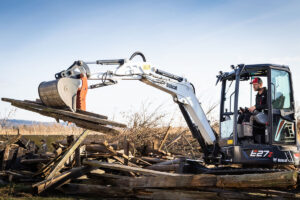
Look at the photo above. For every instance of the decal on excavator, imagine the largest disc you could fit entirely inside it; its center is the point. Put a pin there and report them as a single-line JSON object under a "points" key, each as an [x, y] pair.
{"points": [[261, 153], [174, 87]]}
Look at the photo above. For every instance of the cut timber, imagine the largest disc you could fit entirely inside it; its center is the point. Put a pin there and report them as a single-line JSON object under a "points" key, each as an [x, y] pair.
{"points": [[96, 190], [82, 119], [182, 181], [101, 191], [164, 168], [105, 165], [267, 180], [68, 154]]}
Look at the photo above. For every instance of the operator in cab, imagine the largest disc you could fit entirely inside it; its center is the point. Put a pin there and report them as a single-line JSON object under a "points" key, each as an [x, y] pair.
{"points": [[261, 96], [257, 132], [261, 104]]}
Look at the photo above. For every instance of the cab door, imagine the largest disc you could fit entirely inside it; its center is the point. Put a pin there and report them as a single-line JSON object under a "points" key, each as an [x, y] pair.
{"points": [[283, 129]]}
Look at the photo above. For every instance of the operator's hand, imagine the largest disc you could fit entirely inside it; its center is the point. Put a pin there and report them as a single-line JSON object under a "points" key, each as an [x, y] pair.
{"points": [[252, 108]]}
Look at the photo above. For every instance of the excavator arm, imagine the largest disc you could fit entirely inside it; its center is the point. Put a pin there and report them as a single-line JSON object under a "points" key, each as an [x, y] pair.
{"points": [[179, 88]]}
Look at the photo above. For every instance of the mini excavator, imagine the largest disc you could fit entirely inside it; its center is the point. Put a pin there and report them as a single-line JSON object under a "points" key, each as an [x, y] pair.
{"points": [[234, 144]]}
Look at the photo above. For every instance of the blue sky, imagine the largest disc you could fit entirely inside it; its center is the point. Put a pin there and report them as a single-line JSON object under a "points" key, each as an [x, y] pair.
{"points": [[195, 39]]}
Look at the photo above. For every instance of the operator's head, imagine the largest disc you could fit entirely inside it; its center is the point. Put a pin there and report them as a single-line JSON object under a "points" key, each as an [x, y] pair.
{"points": [[257, 84]]}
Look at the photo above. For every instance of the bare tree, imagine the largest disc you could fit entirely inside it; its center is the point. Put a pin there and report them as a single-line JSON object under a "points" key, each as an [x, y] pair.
{"points": [[6, 116]]}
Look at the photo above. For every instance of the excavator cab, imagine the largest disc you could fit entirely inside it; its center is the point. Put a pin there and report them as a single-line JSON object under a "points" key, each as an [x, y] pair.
{"points": [[264, 137]]}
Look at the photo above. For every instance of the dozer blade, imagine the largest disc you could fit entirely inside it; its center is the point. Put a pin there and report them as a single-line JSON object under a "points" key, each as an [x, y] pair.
{"points": [[60, 93]]}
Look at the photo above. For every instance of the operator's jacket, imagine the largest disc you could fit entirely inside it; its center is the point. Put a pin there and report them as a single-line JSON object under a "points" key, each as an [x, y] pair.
{"points": [[261, 100]]}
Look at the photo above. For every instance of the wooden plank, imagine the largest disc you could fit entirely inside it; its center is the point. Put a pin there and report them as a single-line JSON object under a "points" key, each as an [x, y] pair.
{"points": [[99, 164], [80, 123], [183, 181], [266, 180], [65, 112], [68, 154], [60, 180], [91, 114]]}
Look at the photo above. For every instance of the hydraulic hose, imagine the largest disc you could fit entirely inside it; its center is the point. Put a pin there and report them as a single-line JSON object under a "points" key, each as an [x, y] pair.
{"points": [[138, 53]]}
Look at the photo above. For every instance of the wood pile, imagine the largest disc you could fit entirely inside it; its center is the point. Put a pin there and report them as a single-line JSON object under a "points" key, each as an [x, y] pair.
{"points": [[79, 167], [107, 170]]}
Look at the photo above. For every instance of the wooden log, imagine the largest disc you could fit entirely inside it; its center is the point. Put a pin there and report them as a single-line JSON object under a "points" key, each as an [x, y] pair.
{"points": [[99, 155], [169, 162], [60, 180], [177, 194], [164, 168], [266, 180], [182, 181], [96, 190], [152, 160], [105, 165], [101, 191], [68, 154]]}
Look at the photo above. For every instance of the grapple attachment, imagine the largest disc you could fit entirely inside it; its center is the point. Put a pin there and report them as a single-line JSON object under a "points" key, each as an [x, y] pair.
{"points": [[60, 93]]}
